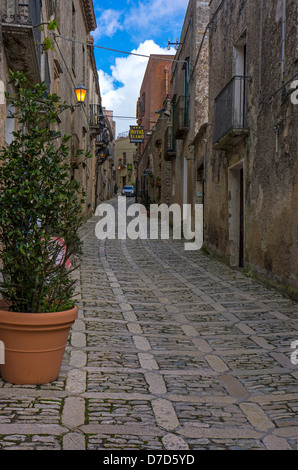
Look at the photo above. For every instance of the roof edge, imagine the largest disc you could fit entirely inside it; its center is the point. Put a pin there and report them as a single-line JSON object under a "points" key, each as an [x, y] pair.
{"points": [[88, 8]]}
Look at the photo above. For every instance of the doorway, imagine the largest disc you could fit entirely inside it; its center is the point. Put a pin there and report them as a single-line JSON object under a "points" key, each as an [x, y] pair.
{"points": [[185, 182]]}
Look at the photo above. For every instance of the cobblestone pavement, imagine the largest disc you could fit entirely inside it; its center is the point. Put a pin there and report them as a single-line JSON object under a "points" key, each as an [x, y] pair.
{"points": [[171, 351]]}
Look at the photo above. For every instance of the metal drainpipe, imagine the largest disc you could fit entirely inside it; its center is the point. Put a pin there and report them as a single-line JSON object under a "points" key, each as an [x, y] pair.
{"points": [[283, 40], [260, 52], [167, 81], [204, 185]]}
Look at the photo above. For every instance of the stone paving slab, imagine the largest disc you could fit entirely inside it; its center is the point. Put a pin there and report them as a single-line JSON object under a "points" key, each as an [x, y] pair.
{"points": [[171, 351]]}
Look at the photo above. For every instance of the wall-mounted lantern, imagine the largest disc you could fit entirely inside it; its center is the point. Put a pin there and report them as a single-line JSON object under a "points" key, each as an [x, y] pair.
{"points": [[81, 93]]}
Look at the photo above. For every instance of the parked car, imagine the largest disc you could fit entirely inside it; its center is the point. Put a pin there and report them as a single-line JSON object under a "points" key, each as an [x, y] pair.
{"points": [[128, 191]]}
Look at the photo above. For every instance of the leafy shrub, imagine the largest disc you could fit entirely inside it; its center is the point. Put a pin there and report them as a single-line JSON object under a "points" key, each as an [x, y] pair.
{"points": [[39, 203]]}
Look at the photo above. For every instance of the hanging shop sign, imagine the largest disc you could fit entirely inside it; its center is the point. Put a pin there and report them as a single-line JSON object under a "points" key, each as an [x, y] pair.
{"points": [[137, 134]]}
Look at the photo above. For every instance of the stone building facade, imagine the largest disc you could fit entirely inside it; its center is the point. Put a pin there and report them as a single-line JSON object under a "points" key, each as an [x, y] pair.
{"points": [[105, 142], [231, 141], [171, 168], [175, 152], [125, 162], [154, 169], [189, 96], [251, 194], [69, 62], [153, 114], [154, 90]]}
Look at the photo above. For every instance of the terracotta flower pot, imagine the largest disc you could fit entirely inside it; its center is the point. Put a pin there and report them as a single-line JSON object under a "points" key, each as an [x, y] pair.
{"points": [[34, 344]]}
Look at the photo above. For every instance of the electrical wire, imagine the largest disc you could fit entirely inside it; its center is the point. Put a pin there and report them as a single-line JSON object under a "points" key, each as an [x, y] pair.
{"points": [[266, 100], [204, 36], [135, 118], [116, 50], [65, 63]]}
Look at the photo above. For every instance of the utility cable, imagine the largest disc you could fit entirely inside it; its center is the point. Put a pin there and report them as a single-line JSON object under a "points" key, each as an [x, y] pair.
{"points": [[266, 100], [204, 35], [116, 50]]}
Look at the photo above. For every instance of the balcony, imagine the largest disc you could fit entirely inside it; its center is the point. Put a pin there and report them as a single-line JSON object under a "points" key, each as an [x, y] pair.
{"points": [[20, 37], [96, 119], [99, 127], [169, 145], [102, 139], [103, 155], [230, 114], [181, 117]]}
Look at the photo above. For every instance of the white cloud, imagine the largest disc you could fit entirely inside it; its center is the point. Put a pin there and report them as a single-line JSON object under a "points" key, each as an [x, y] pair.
{"points": [[109, 22], [120, 90], [154, 12], [141, 17]]}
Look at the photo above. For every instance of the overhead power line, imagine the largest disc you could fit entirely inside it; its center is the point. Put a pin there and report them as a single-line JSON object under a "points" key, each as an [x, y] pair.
{"points": [[116, 50], [152, 118]]}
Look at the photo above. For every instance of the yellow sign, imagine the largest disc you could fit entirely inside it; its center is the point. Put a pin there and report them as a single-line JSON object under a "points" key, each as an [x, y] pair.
{"points": [[137, 134]]}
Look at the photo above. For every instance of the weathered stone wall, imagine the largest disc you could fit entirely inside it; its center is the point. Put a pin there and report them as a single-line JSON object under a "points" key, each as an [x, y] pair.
{"points": [[194, 51], [64, 67], [105, 180], [268, 155], [75, 62], [154, 90], [158, 182], [122, 146]]}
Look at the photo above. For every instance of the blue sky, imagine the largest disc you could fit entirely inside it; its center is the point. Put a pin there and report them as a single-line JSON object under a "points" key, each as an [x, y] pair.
{"points": [[142, 27]]}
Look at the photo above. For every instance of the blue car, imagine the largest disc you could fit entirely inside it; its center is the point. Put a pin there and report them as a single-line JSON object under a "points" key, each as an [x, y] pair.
{"points": [[128, 191]]}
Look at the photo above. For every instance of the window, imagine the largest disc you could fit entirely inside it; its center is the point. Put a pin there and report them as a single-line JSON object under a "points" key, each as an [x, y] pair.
{"points": [[240, 65], [240, 56]]}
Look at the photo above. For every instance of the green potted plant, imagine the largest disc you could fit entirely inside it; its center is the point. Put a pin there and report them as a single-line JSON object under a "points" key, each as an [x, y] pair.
{"points": [[40, 214]]}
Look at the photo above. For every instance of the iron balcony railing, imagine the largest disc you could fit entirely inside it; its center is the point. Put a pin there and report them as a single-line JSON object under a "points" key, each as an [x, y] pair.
{"points": [[98, 121], [23, 13], [181, 116], [230, 109], [102, 139], [20, 12], [22, 37], [96, 115]]}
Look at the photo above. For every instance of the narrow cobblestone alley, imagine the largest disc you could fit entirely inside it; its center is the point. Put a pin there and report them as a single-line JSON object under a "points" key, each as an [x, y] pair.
{"points": [[171, 351]]}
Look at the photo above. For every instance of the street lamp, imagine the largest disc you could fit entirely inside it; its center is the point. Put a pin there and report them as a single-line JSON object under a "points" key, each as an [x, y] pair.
{"points": [[81, 92]]}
